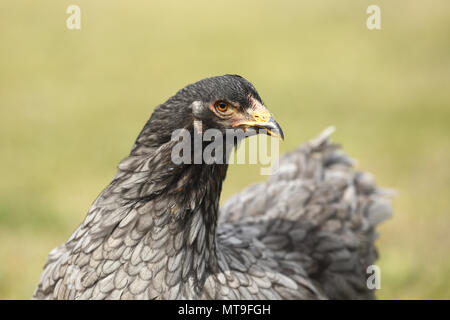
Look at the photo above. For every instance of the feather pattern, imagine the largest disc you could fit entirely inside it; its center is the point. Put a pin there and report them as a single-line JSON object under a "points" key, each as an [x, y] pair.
{"points": [[156, 231]]}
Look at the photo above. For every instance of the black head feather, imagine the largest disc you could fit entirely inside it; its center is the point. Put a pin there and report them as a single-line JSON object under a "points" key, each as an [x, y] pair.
{"points": [[177, 113]]}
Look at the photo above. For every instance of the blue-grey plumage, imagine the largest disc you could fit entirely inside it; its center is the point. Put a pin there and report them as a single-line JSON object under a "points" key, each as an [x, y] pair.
{"points": [[156, 232]]}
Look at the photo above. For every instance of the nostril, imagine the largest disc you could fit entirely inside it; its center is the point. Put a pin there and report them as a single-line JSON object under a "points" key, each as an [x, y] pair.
{"points": [[261, 118]]}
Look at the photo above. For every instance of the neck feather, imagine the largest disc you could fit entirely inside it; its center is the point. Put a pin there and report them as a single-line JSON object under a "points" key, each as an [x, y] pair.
{"points": [[182, 204]]}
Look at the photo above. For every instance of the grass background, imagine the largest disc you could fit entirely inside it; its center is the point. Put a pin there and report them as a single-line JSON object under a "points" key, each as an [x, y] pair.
{"points": [[72, 103]]}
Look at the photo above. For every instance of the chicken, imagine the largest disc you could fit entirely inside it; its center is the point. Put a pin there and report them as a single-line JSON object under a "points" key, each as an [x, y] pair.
{"points": [[156, 231]]}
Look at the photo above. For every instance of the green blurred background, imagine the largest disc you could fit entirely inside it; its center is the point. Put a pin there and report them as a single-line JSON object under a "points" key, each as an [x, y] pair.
{"points": [[73, 101]]}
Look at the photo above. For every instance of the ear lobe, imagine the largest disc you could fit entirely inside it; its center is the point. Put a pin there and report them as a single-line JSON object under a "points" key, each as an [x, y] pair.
{"points": [[196, 107]]}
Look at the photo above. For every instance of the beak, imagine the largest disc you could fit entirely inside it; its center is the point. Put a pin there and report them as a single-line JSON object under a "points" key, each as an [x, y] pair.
{"points": [[272, 127], [263, 122]]}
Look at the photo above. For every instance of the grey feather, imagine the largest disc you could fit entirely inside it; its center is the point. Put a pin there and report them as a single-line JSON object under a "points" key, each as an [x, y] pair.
{"points": [[306, 233]]}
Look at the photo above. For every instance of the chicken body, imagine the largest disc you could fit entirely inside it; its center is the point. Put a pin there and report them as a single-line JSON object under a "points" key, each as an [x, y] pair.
{"points": [[156, 232]]}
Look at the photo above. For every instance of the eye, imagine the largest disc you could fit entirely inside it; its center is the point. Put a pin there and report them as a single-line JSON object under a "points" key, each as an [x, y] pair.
{"points": [[222, 107]]}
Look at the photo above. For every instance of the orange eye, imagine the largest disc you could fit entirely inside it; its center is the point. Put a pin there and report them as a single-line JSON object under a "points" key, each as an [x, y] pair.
{"points": [[222, 106]]}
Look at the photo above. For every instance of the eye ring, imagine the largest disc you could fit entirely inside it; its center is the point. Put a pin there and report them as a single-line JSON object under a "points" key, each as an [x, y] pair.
{"points": [[222, 106]]}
